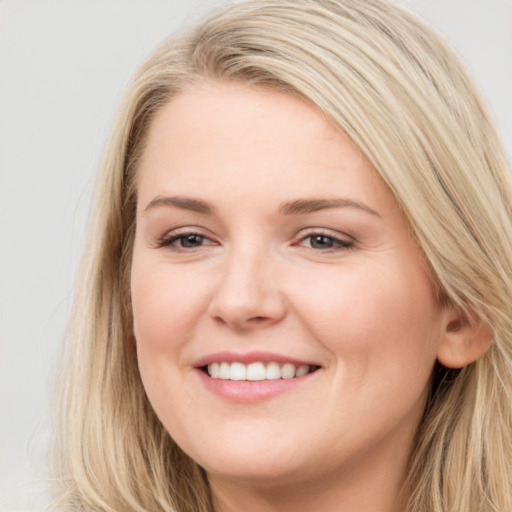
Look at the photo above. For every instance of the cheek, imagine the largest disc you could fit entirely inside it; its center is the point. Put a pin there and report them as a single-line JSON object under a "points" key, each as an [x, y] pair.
{"points": [[166, 311], [373, 317], [166, 306], [163, 321]]}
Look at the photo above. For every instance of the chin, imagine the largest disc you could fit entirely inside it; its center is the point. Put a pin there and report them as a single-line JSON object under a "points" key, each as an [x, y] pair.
{"points": [[266, 466]]}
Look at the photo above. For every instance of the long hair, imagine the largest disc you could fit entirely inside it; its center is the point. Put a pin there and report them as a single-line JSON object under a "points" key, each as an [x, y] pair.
{"points": [[401, 94]]}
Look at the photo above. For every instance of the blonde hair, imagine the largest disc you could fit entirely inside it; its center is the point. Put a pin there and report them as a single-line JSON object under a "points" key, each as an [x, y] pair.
{"points": [[401, 94]]}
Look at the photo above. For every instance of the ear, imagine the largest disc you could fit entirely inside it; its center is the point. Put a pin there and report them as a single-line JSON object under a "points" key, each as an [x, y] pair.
{"points": [[464, 339]]}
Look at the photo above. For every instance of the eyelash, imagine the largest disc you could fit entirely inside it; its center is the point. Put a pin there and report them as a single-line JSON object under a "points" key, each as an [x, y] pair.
{"points": [[169, 239], [339, 244]]}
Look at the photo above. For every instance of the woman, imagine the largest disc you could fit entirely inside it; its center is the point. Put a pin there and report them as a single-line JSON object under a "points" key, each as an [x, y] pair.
{"points": [[296, 288]]}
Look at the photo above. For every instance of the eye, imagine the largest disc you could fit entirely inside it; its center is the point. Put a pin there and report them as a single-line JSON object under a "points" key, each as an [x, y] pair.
{"points": [[325, 241], [184, 240], [191, 240]]}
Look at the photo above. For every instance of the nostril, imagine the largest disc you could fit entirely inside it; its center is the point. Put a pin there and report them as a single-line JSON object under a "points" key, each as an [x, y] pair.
{"points": [[258, 319]]}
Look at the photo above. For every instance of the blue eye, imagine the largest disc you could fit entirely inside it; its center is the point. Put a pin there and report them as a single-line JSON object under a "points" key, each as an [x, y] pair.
{"points": [[322, 241], [184, 241], [192, 240]]}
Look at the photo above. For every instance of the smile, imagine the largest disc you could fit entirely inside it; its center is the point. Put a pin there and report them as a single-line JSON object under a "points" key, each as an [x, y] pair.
{"points": [[254, 376], [257, 371]]}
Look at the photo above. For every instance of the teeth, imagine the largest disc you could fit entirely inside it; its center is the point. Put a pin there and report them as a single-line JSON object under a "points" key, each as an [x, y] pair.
{"points": [[214, 370], [238, 371], [287, 371], [302, 370], [257, 371], [223, 371], [273, 371]]}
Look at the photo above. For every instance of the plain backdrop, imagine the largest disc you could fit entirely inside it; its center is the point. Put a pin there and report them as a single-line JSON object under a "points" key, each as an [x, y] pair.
{"points": [[63, 66]]}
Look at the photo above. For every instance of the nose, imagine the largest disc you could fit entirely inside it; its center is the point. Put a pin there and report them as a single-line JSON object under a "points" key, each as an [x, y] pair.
{"points": [[247, 296]]}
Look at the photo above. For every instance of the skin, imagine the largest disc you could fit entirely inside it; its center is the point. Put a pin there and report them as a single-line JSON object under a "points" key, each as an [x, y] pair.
{"points": [[363, 309]]}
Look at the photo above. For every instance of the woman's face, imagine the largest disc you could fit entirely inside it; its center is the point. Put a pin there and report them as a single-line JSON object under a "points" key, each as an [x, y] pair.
{"points": [[267, 248]]}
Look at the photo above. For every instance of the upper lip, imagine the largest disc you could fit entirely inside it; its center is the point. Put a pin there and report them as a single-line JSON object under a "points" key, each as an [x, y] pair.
{"points": [[249, 357]]}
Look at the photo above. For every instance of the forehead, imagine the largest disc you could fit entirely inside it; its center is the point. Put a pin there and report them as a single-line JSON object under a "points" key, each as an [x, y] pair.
{"points": [[249, 139], [238, 111]]}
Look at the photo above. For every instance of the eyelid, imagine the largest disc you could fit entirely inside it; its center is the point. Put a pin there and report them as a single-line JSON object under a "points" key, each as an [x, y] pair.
{"points": [[169, 237], [344, 240]]}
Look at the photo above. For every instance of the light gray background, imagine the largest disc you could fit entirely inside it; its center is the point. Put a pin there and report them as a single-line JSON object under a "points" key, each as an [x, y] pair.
{"points": [[63, 65]]}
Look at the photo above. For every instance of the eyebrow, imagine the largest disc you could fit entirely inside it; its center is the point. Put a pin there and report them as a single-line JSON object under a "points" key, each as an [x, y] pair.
{"points": [[295, 207], [183, 203], [303, 206]]}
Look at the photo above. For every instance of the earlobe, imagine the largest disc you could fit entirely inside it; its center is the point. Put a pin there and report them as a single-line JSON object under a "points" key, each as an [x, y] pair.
{"points": [[463, 341]]}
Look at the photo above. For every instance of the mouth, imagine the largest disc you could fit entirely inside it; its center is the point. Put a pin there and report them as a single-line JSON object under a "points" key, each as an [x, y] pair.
{"points": [[254, 376], [257, 371]]}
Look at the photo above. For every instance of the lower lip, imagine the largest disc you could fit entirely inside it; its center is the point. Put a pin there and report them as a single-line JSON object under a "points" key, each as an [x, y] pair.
{"points": [[246, 391]]}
